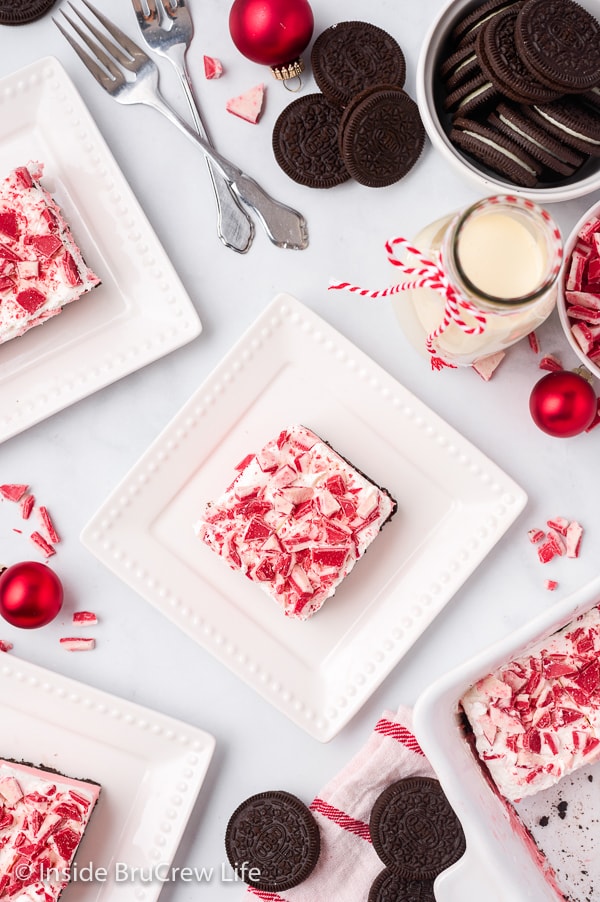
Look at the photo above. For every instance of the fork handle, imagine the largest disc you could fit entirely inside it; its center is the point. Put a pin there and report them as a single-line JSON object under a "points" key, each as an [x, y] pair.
{"points": [[285, 227], [234, 226]]}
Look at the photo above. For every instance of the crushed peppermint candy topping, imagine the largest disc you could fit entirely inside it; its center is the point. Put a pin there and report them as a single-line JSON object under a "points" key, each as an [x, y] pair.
{"points": [[537, 718], [487, 366], [84, 618], [41, 267], [533, 342], [551, 363], [5, 646], [27, 505], [77, 643], [249, 105], [43, 816], [551, 585], [295, 520], [213, 67]]}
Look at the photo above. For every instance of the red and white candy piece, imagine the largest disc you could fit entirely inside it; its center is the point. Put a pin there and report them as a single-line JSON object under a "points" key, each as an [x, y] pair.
{"points": [[84, 618], [13, 491], [249, 105], [213, 67], [77, 643]]}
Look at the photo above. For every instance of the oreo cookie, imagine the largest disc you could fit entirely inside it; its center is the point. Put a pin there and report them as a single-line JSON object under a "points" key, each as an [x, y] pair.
{"points": [[414, 829], [391, 887], [381, 136], [351, 56], [305, 142], [275, 835], [473, 96], [501, 63], [464, 33], [574, 123], [459, 67], [516, 123], [559, 42], [499, 153], [21, 12]]}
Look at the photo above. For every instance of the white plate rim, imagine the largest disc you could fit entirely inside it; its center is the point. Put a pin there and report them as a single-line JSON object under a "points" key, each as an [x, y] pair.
{"points": [[108, 720], [170, 319], [102, 538]]}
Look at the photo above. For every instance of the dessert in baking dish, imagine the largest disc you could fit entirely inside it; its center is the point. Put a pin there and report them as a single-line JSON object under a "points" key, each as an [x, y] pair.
{"points": [[295, 520], [43, 816], [41, 267], [537, 718]]}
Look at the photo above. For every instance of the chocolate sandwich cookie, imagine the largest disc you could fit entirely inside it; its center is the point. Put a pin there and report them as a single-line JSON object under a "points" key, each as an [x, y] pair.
{"points": [[459, 67], [517, 124], [381, 136], [414, 829], [499, 153], [391, 887], [274, 835], [351, 56], [466, 29], [305, 142], [501, 63], [476, 95], [20, 12], [559, 42], [571, 121]]}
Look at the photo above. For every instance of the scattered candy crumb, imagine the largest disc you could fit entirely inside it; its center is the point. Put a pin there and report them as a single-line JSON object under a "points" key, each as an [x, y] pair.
{"points": [[486, 366], [20, 531], [213, 68], [533, 342], [84, 618], [551, 363], [38, 539], [562, 538], [27, 506], [5, 646], [551, 585], [48, 524], [13, 492], [247, 106], [75, 643]]}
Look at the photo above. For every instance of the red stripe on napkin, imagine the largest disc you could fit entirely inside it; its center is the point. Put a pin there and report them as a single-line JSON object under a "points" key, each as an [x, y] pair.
{"points": [[351, 824], [266, 897], [400, 733]]}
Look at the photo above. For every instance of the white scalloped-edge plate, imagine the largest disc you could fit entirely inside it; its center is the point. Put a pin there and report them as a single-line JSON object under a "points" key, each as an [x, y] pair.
{"points": [[150, 766], [453, 506], [139, 313]]}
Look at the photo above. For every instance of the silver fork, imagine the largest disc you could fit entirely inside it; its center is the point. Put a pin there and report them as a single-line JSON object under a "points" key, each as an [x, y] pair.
{"points": [[285, 227], [168, 30]]}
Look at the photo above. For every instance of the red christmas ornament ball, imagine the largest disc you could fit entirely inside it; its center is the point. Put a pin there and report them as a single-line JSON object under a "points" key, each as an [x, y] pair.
{"points": [[563, 404], [271, 32], [31, 594]]}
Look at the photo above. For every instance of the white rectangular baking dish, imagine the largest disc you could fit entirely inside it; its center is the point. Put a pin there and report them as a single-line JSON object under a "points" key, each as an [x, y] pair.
{"points": [[499, 864]]}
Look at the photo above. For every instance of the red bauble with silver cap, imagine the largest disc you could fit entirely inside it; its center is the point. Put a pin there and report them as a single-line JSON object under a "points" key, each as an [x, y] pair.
{"points": [[563, 404], [273, 33], [31, 594]]}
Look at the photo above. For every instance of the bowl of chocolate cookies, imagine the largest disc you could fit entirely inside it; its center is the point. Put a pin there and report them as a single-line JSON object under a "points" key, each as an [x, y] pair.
{"points": [[509, 93]]}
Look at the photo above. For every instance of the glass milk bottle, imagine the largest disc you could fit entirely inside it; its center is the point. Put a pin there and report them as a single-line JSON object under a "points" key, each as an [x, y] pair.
{"points": [[501, 258]]}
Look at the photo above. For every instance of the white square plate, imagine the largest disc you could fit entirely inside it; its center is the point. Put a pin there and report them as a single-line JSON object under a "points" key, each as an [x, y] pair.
{"points": [[139, 313], [150, 767], [453, 506]]}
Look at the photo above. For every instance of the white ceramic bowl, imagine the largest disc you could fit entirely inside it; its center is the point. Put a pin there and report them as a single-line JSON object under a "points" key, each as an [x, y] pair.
{"points": [[497, 865], [437, 123], [561, 302]]}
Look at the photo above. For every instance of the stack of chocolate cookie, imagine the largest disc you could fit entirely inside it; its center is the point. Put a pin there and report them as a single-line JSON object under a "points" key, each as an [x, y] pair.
{"points": [[363, 125], [521, 88], [417, 835]]}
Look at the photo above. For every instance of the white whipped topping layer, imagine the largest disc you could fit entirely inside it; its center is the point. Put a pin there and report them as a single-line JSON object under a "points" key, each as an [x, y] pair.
{"points": [[537, 718], [295, 520], [43, 817], [41, 266]]}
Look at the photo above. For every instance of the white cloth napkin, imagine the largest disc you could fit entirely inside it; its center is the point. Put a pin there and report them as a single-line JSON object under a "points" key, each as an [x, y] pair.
{"points": [[348, 864]]}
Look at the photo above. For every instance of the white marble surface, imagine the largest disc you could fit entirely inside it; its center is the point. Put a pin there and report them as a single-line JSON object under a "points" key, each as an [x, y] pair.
{"points": [[75, 458]]}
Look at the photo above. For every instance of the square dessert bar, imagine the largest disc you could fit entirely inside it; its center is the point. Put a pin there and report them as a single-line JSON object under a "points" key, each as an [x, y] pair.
{"points": [[43, 816], [537, 718], [41, 266], [295, 520]]}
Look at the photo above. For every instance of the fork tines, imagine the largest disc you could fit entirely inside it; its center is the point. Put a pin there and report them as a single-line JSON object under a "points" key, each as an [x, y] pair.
{"points": [[106, 51]]}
